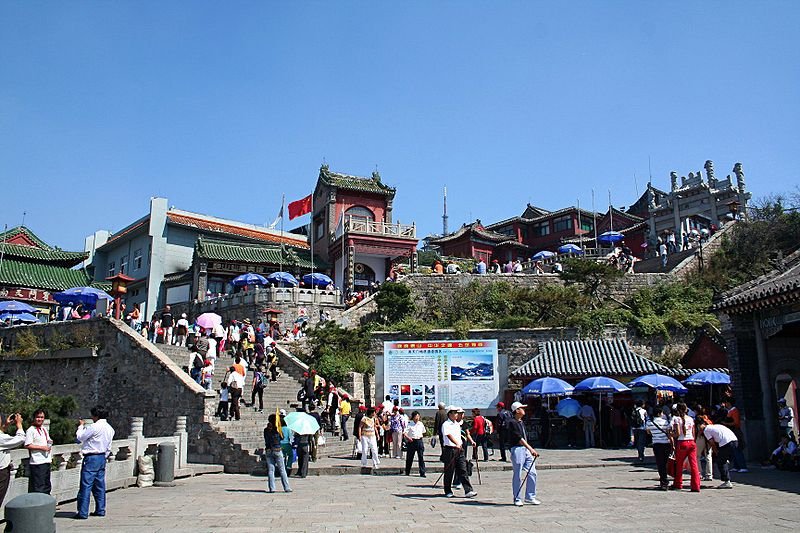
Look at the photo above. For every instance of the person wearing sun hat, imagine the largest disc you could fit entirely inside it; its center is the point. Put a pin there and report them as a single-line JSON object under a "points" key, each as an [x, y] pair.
{"points": [[522, 457], [453, 455]]}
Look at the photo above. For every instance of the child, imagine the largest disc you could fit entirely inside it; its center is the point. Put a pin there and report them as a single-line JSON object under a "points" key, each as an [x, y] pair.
{"points": [[207, 374], [222, 408]]}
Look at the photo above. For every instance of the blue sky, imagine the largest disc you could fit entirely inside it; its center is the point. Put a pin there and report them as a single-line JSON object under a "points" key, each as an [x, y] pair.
{"points": [[221, 107]]}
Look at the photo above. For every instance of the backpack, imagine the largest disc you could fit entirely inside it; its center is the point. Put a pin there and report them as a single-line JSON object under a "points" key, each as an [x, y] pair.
{"points": [[503, 419], [262, 380], [198, 362], [636, 420]]}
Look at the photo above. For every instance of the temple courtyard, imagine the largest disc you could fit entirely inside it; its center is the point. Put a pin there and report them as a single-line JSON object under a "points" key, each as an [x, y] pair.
{"points": [[580, 490]]}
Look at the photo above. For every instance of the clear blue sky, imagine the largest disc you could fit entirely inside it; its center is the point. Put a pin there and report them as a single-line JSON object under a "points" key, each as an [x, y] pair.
{"points": [[221, 107]]}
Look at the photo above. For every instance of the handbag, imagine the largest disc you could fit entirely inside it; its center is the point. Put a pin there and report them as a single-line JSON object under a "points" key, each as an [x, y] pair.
{"points": [[671, 465]]}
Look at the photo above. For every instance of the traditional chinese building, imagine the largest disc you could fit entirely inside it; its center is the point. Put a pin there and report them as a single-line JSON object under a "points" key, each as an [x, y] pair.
{"points": [[354, 231], [476, 241], [178, 256], [693, 204], [761, 327], [31, 270]]}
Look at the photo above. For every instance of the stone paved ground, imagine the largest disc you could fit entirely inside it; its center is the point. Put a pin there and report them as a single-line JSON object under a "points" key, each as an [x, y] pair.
{"points": [[618, 497]]}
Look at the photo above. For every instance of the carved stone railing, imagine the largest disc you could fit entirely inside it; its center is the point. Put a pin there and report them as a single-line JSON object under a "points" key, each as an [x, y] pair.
{"points": [[121, 467], [273, 295], [386, 229]]}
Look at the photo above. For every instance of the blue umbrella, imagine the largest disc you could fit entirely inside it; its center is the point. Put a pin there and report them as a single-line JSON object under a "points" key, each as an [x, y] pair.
{"points": [[610, 237], [570, 249], [302, 423], [13, 306], [283, 278], [568, 407], [81, 295], [600, 384], [317, 279], [19, 317], [659, 382], [708, 377], [548, 387], [544, 254], [249, 279]]}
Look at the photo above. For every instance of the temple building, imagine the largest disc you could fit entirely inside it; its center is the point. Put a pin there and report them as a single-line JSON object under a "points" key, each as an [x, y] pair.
{"points": [[694, 204], [354, 230], [31, 270], [179, 256]]}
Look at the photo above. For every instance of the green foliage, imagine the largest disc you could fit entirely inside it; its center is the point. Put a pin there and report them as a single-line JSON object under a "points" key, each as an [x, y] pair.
{"points": [[427, 258], [750, 248], [462, 327], [27, 344], [414, 327], [336, 351], [670, 308], [16, 397], [394, 302], [594, 278]]}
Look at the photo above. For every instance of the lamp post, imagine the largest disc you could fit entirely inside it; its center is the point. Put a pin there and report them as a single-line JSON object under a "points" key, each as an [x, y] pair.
{"points": [[119, 287]]}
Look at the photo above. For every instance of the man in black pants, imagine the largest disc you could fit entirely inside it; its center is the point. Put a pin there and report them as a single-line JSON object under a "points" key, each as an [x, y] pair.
{"points": [[503, 420], [455, 462], [303, 452]]}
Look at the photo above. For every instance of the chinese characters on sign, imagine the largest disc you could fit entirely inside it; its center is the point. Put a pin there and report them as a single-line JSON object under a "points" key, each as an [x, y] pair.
{"points": [[31, 295], [420, 374]]}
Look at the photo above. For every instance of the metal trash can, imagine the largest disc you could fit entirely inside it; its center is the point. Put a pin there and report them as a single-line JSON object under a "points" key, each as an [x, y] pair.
{"points": [[165, 465], [31, 513]]}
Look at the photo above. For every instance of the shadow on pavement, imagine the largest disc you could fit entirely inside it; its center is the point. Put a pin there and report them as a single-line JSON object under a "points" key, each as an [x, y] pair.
{"points": [[419, 496], [257, 491]]}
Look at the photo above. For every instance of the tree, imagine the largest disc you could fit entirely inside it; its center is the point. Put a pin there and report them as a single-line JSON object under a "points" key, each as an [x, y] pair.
{"points": [[336, 351], [595, 278], [16, 396], [394, 302]]}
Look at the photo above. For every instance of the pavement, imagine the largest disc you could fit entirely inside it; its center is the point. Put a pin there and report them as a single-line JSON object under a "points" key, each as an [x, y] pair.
{"points": [[603, 490]]}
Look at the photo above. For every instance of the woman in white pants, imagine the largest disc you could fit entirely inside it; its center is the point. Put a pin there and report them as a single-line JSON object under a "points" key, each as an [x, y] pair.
{"points": [[368, 442], [704, 454]]}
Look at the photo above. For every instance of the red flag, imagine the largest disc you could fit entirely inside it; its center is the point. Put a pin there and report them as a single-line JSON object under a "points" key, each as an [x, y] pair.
{"points": [[299, 208]]}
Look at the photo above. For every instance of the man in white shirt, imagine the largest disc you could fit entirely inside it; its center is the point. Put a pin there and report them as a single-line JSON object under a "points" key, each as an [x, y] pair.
{"points": [[724, 442], [95, 441], [181, 331], [235, 386], [39, 444], [455, 460], [7, 442]]}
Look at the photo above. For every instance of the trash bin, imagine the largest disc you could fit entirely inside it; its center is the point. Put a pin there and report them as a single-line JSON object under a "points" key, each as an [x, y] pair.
{"points": [[31, 513], [165, 465]]}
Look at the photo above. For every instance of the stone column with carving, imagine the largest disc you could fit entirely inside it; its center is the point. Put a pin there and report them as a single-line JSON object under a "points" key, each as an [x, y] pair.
{"points": [[350, 268], [137, 433], [183, 441]]}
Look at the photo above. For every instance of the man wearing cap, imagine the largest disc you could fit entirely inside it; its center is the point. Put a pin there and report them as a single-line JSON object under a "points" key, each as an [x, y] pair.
{"points": [[785, 418], [503, 419], [455, 461], [522, 457]]}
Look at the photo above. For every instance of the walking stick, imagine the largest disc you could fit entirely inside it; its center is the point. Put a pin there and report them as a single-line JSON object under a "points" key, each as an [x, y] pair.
{"points": [[446, 469], [477, 466], [523, 478]]}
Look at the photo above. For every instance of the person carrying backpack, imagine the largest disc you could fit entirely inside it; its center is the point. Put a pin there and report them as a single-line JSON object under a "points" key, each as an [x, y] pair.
{"points": [[259, 384], [503, 423], [637, 422]]}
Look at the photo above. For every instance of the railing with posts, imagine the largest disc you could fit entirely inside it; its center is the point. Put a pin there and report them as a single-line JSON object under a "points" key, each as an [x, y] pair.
{"points": [[387, 229], [269, 295], [121, 468]]}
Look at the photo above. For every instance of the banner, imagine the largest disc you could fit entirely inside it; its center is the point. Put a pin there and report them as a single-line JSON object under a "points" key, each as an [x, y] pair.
{"points": [[420, 374], [299, 208]]}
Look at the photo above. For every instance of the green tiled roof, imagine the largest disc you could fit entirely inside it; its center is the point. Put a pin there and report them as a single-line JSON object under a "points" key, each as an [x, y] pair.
{"points": [[355, 183], [40, 251], [251, 253], [48, 277]]}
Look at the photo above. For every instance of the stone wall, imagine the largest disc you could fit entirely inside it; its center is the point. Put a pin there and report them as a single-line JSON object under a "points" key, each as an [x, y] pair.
{"points": [[122, 371]]}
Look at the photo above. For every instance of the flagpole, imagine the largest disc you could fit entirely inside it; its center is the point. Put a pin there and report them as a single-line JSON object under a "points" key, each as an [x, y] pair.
{"points": [[283, 201], [312, 232], [580, 224], [610, 210], [594, 215]]}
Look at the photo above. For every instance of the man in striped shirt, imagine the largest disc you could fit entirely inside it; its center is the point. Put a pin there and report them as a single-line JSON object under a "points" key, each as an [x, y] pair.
{"points": [[658, 428]]}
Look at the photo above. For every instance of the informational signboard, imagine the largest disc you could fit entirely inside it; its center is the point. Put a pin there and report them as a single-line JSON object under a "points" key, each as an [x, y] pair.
{"points": [[420, 374]]}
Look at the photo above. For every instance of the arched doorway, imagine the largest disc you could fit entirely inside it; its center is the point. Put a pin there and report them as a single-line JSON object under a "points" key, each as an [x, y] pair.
{"points": [[786, 388], [364, 276]]}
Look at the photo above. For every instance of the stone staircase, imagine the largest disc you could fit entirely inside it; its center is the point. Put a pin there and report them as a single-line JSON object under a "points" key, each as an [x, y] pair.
{"points": [[243, 439]]}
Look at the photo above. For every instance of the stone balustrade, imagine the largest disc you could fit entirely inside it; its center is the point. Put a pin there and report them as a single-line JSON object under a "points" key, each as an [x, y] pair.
{"points": [[121, 468]]}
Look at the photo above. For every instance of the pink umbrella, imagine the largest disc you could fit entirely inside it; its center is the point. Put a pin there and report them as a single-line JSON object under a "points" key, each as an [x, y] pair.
{"points": [[208, 320]]}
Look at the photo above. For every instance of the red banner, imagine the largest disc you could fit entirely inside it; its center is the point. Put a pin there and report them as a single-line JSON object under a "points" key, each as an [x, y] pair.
{"points": [[31, 295], [299, 208]]}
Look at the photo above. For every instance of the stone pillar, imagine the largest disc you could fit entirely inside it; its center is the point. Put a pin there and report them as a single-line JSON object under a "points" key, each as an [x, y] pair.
{"points": [[767, 389], [202, 281], [137, 433], [183, 441], [414, 261]]}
